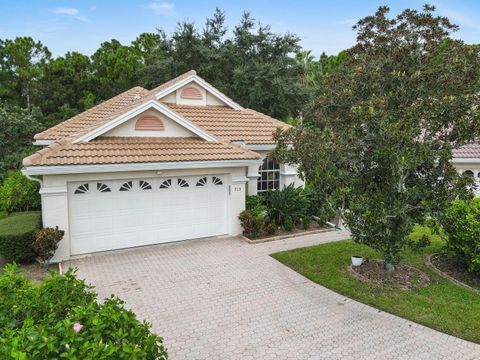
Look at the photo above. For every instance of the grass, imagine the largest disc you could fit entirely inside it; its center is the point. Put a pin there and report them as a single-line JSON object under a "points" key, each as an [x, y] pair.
{"points": [[442, 305], [20, 222], [3, 214]]}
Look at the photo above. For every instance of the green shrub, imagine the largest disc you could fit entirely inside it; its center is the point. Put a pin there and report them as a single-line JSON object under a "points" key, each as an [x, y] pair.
{"points": [[306, 220], [61, 318], [288, 204], [251, 223], [462, 227], [317, 206], [288, 224], [253, 202], [17, 193], [16, 236], [45, 243], [270, 228]]}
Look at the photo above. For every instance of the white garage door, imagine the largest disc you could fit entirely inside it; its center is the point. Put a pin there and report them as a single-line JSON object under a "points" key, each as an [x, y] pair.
{"points": [[107, 215]]}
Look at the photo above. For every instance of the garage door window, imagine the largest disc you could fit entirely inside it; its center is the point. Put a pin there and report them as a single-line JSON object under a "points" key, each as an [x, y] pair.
{"points": [[182, 183], [166, 184], [202, 181], [126, 186], [82, 189], [145, 185], [103, 187], [217, 181]]}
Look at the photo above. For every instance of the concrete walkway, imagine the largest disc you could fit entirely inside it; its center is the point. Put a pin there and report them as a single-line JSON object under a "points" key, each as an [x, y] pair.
{"points": [[226, 299]]}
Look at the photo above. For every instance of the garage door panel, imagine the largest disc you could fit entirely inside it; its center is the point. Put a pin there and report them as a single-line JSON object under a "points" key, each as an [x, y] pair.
{"points": [[118, 219]]}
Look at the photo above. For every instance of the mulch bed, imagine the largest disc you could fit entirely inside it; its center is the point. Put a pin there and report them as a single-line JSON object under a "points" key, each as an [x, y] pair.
{"points": [[403, 277], [280, 232], [455, 268]]}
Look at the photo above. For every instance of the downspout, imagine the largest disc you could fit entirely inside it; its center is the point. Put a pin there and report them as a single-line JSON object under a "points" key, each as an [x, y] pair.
{"points": [[33, 178]]}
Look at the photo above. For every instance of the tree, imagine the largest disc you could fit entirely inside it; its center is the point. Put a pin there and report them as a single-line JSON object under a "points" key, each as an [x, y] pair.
{"points": [[380, 144], [21, 62]]}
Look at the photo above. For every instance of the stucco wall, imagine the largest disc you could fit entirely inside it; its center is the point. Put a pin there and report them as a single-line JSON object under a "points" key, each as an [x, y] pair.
{"points": [[55, 209], [171, 128]]}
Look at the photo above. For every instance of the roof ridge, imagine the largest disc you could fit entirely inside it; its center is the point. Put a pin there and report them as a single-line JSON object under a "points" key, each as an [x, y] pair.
{"points": [[172, 81]]}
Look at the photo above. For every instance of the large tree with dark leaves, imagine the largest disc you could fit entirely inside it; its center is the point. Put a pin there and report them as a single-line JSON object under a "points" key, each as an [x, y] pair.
{"points": [[384, 127]]}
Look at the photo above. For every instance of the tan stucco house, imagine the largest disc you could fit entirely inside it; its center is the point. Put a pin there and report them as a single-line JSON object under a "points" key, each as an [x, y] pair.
{"points": [[153, 166]]}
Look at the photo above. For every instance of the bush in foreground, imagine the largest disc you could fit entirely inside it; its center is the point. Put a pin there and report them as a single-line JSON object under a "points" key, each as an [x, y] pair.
{"points": [[16, 235], [61, 318], [462, 227], [45, 243]]}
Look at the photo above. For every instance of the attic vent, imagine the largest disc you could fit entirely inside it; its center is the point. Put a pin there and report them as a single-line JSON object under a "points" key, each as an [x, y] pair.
{"points": [[149, 122], [192, 93]]}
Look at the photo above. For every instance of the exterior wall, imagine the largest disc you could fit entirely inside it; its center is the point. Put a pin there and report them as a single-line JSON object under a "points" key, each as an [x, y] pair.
{"points": [[55, 210], [171, 128], [288, 175], [208, 98], [473, 167]]}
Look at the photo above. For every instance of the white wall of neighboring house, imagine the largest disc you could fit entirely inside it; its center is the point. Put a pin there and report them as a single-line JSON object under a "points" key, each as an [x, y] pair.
{"points": [[171, 128], [55, 197], [473, 166]]}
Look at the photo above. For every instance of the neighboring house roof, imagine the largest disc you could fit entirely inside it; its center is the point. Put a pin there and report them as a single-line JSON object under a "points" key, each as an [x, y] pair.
{"points": [[468, 151], [122, 150]]}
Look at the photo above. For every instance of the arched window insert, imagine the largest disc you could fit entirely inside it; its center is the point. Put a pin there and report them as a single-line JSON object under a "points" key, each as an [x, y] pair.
{"points": [[269, 176]]}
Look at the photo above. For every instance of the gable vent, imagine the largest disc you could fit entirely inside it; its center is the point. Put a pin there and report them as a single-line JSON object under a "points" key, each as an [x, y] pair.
{"points": [[192, 93], [149, 122]]}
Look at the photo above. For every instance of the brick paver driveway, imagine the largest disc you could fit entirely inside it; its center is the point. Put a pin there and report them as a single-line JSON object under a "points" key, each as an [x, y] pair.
{"points": [[226, 299]]}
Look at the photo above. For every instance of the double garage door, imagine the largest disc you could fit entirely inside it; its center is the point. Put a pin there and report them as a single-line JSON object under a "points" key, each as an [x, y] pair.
{"points": [[108, 215]]}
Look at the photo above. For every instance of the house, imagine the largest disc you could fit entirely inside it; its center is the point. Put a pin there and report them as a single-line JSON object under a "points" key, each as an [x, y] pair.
{"points": [[148, 167]]}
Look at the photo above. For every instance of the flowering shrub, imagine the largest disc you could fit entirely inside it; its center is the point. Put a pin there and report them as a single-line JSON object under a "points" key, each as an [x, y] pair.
{"points": [[61, 318], [45, 243]]}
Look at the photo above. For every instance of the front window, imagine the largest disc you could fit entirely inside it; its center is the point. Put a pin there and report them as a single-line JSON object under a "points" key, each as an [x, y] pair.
{"points": [[269, 176]]}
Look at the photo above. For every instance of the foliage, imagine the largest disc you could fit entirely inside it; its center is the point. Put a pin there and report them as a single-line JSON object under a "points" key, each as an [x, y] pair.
{"points": [[286, 207], [16, 235], [61, 318], [17, 127], [256, 203], [270, 228], [45, 243], [462, 227], [251, 223], [306, 220], [379, 143], [443, 305], [17, 193]]}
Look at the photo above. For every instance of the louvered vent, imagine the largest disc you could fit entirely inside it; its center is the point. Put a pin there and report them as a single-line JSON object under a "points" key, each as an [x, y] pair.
{"points": [[191, 93], [149, 122]]}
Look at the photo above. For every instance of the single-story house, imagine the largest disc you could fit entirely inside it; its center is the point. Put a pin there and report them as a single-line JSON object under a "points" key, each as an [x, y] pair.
{"points": [[154, 166]]}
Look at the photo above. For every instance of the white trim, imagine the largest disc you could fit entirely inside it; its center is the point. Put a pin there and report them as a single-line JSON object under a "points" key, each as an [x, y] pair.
{"points": [[77, 169], [138, 110], [43, 142], [288, 173], [466, 160], [264, 147], [53, 190], [199, 81], [239, 179]]}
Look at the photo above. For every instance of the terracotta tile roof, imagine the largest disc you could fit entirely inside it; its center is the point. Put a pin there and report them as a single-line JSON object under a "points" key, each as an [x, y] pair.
{"points": [[467, 151], [120, 150], [225, 123], [105, 111]]}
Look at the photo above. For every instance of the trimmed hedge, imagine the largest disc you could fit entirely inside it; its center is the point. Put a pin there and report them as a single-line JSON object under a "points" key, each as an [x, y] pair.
{"points": [[16, 236], [61, 318]]}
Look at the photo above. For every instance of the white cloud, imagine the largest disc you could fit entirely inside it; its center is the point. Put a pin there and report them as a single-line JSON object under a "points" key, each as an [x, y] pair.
{"points": [[345, 22], [161, 8], [72, 12]]}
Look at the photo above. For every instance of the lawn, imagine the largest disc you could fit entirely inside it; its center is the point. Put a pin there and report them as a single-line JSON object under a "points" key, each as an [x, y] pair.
{"points": [[441, 305]]}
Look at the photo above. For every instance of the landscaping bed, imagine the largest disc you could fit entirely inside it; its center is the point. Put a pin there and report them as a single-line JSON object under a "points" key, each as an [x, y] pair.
{"points": [[455, 268], [404, 277], [441, 305], [280, 234]]}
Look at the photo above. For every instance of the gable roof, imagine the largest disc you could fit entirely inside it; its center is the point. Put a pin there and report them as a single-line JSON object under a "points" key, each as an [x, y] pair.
{"points": [[469, 151], [125, 150]]}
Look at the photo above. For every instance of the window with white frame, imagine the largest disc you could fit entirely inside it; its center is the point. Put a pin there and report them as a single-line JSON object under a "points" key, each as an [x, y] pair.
{"points": [[269, 176]]}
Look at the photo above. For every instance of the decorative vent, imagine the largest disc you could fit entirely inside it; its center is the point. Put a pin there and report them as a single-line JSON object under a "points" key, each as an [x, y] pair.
{"points": [[82, 189], [166, 184], [182, 183], [202, 181], [149, 122], [217, 181], [192, 93], [145, 185], [103, 187], [127, 186]]}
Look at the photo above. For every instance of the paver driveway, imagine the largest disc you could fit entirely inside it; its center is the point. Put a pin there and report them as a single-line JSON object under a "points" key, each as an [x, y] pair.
{"points": [[226, 299]]}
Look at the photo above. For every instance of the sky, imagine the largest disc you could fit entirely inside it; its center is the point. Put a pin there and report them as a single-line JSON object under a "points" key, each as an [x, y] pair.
{"points": [[323, 26]]}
